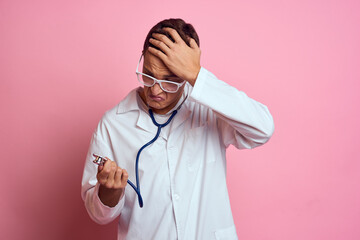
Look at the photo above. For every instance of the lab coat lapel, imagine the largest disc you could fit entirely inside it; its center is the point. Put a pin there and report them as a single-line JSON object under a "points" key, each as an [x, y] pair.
{"points": [[130, 104], [144, 122], [184, 111]]}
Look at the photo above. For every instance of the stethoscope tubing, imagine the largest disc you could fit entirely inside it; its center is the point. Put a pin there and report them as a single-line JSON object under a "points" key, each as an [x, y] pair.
{"points": [[137, 187]]}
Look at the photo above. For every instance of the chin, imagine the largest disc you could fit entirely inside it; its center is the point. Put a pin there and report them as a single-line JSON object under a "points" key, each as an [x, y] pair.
{"points": [[158, 108], [155, 105]]}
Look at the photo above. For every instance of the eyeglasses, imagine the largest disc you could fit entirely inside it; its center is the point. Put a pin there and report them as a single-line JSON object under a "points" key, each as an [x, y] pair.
{"points": [[149, 81]]}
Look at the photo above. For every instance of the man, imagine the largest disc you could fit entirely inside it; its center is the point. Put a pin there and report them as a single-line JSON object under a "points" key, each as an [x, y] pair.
{"points": [[182, 171]]}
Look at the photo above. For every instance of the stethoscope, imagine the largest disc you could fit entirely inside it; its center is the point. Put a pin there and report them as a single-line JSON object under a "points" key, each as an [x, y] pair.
{"points": [[137, 187], [101, 160]]}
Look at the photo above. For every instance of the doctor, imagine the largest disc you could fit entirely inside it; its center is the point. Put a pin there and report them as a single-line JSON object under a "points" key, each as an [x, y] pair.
{"points": [[182, 175]]}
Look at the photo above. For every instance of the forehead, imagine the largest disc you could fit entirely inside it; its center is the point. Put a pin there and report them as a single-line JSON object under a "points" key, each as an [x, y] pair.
{"points": [[155, 65]]}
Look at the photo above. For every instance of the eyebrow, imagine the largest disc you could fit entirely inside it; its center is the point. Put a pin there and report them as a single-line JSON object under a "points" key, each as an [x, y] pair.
{"points": [[165, 76]]}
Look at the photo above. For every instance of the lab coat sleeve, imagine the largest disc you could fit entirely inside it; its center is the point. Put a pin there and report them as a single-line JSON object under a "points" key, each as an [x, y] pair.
{"points": [[98, 212], [242, 121]]}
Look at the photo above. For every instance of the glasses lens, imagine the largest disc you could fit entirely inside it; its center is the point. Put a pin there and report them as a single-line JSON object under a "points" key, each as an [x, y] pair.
{"points": [[147, 81], [170, 87]]}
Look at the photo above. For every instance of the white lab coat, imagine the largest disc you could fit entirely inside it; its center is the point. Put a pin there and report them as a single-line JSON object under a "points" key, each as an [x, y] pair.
{"points": [[182, 174]]}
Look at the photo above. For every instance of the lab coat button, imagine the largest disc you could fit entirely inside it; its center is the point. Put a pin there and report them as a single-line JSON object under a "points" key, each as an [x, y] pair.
{"points": [[176, 197]]}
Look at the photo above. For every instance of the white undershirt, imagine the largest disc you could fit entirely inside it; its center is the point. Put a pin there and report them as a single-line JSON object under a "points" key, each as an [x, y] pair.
{"points": [[162, 118]]}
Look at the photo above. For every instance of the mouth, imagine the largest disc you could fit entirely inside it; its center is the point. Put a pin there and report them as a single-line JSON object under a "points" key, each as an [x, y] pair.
{"points": [[156, 98]]}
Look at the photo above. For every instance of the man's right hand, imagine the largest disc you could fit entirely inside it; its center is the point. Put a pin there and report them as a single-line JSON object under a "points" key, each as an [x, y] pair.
{"points": [[113, 181]]}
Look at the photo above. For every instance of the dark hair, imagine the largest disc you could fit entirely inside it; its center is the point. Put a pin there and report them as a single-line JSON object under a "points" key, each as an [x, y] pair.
{"points": [[184, 29]]}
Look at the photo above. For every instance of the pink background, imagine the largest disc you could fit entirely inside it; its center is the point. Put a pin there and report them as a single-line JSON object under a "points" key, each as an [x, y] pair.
{"points": [[64, 63]]}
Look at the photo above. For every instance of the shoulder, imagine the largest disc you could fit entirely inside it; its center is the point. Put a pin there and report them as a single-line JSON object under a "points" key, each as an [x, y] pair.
{"points": [[128, 103]]}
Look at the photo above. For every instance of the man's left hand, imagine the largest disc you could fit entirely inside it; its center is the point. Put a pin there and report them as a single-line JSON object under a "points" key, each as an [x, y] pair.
{"points": [[182, 60]]}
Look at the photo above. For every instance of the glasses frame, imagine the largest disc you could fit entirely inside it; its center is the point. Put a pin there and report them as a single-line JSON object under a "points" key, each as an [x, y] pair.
{"points": [[156, 80]]}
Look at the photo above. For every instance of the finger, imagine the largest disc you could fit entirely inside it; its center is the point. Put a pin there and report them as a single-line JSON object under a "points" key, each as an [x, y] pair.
{"points": [[107, 165], [117, 178], [102, 176], [103, 172], [174, 34], [160, 45], [101, 167], [102, 179], [157, 53], [193, 44], [163, 38], [124, 178], [111, 178]]}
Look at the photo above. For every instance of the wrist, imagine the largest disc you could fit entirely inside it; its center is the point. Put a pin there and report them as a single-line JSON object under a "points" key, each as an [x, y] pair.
{"points": [[192, 78], [110, 197]]}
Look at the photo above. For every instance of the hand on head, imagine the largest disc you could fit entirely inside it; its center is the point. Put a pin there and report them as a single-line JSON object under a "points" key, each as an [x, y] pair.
{"points": [[182, 60]]}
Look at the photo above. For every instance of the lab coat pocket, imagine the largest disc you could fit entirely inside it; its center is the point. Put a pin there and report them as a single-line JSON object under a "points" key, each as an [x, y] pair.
{"points": [[195, 146], [226, 234]]}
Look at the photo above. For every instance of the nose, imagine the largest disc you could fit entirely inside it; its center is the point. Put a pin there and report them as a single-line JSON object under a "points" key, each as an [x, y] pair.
{"points": [[156, 89]]}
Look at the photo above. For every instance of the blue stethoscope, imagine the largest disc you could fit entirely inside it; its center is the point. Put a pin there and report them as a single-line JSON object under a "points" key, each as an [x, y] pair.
{"points": [[137, 187], [101, 160]]}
